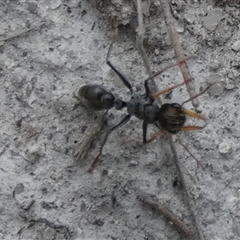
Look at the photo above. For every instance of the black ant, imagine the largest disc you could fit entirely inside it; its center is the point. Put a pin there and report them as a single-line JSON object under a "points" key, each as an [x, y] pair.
{"points": [[170, 117]]}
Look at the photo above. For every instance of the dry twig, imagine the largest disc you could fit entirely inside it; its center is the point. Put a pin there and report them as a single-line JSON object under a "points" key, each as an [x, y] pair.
{"points": [[21, 32], [167, 213], [178, 51], [154, 89], [85, 145]]}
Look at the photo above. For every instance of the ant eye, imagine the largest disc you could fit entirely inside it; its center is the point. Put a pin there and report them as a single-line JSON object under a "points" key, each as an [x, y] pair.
{"points": [[176, 105]]}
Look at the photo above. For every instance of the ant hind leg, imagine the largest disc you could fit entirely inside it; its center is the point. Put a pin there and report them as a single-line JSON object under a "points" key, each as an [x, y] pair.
{"points": [[96, 160]]}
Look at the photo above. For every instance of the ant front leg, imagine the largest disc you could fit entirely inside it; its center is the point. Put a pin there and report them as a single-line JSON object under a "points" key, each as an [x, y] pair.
{"points": [[144, 128], [147, 91], [123, 79]]}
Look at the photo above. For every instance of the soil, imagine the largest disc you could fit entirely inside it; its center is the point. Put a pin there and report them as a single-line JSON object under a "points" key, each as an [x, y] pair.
{"points": [[49, 49]]}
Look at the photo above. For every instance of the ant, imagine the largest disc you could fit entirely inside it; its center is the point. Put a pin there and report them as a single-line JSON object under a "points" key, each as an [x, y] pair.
{"points": [[169, 118]]}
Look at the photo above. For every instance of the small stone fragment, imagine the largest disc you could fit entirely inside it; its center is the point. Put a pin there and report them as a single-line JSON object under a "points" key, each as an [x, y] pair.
{"points": [[32, 7], [216, 89], [33, 150], [229, 85], [225, 147], [133, 163], [190, 17], [156, 51], [213, 78], [145, 8], [180, 29], [55, 4], [214, 65], [213, 18], [19, 188], [236, 46]]}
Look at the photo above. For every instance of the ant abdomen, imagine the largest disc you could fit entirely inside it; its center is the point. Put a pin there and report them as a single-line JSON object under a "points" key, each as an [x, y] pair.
{"points": [[96, 97]]}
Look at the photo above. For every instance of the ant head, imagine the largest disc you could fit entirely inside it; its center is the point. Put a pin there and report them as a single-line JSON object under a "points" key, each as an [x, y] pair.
{"points": [[171, 117]]}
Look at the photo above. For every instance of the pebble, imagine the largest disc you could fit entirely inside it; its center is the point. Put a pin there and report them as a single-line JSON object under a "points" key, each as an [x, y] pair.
{"points": [[180, 29], [156, 51], [32, 7], [34, 149], [229, 85], [236, 46], [67, 33], [215, 65], [213, 18], [145, 8], [233, 74], [214, 78], [126, 13], [216, 89], [190, 17], [133, 163], [55, 4], [225, 147], [19, 188]]}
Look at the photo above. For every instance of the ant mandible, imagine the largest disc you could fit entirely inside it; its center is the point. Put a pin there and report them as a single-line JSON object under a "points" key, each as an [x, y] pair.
{"points": [[170, 117]]}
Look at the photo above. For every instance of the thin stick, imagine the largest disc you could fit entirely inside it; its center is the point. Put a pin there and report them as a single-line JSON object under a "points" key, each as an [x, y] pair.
{"points": [[85, 145], [178, 51], [115, 25], [166, 212], [140, 34], [19, 33], [115, 36], [190, 205]]}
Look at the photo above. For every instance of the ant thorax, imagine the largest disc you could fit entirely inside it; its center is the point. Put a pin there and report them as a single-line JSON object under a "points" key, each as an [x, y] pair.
{"points": [[142, 108]]}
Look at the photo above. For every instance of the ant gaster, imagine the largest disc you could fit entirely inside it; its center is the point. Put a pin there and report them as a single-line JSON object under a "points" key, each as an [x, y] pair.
{"points": [[170, 117]]}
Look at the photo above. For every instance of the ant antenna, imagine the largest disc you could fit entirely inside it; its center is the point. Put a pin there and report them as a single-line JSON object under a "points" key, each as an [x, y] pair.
{"points": [[197, 95], [191, 154]]}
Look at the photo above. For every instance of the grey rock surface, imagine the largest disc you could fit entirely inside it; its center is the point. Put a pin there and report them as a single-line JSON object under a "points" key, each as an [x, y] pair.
{"points": [[49, 49]]}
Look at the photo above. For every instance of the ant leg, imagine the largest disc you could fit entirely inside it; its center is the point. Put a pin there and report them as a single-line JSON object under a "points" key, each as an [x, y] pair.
{"points": [[165, 133], [154, 135], [124, 121], [167, 67], [144, 128], [192, 128], [197, 95], [191, 154], [124, 80], [96, 160], [147, 91], [167, 90]]}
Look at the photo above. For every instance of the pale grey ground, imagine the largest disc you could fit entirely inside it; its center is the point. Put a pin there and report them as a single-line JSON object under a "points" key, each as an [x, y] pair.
{"points": [[40, 129]]}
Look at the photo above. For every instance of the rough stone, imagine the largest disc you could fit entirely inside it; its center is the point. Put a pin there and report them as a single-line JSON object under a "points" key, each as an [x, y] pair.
{"points": [[236, 46], [213, 18]]}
